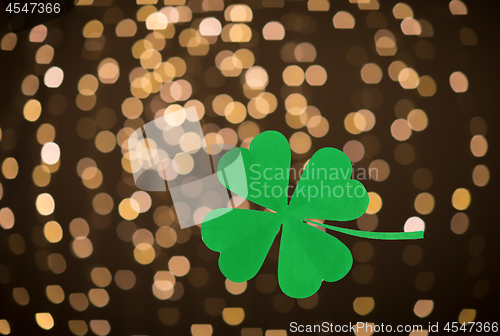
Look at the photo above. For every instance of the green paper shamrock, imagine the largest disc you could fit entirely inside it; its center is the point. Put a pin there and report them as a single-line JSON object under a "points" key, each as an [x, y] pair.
{"points": [[307, 255]]}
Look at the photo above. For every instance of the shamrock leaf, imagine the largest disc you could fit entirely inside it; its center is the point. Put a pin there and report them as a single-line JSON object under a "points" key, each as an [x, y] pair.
{"points": [[225, 232], [307, 256]]}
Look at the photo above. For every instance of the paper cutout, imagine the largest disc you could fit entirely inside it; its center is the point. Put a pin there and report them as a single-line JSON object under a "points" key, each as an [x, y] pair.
{"points": [[307, 255]]}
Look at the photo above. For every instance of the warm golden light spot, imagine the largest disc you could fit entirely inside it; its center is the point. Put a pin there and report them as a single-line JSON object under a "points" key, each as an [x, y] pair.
{"points": [[318, 5], [45, 204], [140, 47], [55, 294], [201, 330], [21, 296], [304, 52], [424, 203], [237, 32], [233, 316], [457, 7], [93, 29], [179, 266], [30, 85], [467, 316], [10, 168], [44, 320], [296, 104], [379, 170], [132, 108], [143, 198], [423, 308], [125, 279], [82, 247], [375, 203], [295, 121], [343, 20], [459, 82], [410, 26], [273, 31], [427, 86], [248, 129], [38, 34], [408, 79], [144, 254], [156, 21], [143, 236], [235, 288], [479, 146], [400, 130], [166, 237], [8, 42], [44, 54], [150, 59], [481, 175], [300, 142], [350, 124], [238, 13], [185, 164], [354, 150], [102, 203], [32, 110], [395, 68], [402, 11], [6, 218], [53, 232], [126, 28], [92, 177], [293, 75], [363, 305], [210, 27], [45, 133], [105, 141], [316, 75], [78, 327], [54, 77], [256, 78], [371, 73], [317, 126], [56, 263], [235, 112], [78, 227], [459, 223], [129, 209], [461, 199], [364, 120], [417, 120], [163, 287], [100, 327], [246, 57], [99, 297], [87, 85], [50, 153]]}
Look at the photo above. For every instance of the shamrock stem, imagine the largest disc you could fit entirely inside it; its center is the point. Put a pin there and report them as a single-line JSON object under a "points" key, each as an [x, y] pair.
{"points": [[373, 235]]}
